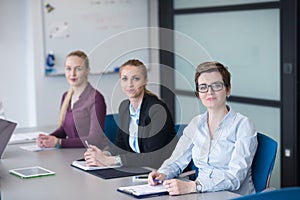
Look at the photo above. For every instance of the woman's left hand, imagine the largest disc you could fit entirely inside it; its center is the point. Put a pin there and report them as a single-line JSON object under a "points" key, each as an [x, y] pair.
{"points": [[46, 141], [178, 187]]}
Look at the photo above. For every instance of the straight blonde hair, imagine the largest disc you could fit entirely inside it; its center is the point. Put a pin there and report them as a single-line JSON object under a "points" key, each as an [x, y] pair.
{"points": [[68, 96]]}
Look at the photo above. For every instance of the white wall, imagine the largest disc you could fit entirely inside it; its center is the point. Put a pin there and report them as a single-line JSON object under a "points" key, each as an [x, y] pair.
{"points": [[14, 57], [30, 98]]}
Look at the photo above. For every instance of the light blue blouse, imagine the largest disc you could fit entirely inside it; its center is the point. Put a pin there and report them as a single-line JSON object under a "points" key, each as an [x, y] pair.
{"points": [[225, 161], [133, 128]]}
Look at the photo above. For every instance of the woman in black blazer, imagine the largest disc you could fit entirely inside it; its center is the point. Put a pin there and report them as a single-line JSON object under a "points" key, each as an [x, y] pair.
{"points": [[146, 134]]}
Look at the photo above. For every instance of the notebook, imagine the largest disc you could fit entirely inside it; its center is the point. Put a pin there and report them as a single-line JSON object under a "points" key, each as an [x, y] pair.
{"points": [[145, 190], [110, 172], [6, 130], [24, 137], [81, 164]]}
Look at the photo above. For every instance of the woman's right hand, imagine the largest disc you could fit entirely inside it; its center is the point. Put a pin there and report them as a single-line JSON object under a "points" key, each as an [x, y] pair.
{"points": [[90, 156], [46, 141], [155, 176], [96, 157]]}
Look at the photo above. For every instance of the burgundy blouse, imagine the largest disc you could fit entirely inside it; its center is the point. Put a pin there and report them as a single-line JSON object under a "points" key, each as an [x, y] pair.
{"points": [[85, 121]]}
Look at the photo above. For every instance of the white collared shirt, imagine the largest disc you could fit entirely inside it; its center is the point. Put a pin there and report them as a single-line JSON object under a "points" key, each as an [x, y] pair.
{"points": [[133, 128], [224, 162]]}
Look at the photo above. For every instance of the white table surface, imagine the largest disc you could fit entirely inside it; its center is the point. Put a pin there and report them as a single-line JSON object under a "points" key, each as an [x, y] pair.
{"points": [[68, 183]]}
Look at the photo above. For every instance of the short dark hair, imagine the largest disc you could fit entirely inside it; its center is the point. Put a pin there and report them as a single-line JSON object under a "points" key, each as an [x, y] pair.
{"points": [[207, 67]]}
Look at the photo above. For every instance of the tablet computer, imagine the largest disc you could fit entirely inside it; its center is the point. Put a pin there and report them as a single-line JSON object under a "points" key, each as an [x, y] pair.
{"points": [[31, 172]]}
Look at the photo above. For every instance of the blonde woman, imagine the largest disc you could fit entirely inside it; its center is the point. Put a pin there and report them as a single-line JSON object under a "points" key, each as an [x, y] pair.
{"points": [[146, 135], [83, 109]]}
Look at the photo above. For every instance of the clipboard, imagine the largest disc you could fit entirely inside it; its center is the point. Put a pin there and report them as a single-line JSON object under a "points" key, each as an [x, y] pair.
{"points": [[144, 191], [111, 172], [119, 172]]}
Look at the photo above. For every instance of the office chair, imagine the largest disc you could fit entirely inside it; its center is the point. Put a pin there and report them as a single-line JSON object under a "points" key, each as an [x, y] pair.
{"points": [[291, 193], [111, 126], [263, 162], [179, 129], [191, 170]]}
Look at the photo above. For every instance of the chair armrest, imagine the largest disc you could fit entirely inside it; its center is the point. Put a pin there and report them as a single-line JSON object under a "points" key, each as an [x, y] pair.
{"points": [[268, 189]]}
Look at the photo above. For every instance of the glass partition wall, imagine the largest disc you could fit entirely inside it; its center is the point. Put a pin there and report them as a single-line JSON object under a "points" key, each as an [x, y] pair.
{"points": [[243, 35]]}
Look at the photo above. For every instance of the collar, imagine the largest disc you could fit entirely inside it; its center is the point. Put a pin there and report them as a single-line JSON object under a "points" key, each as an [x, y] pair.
{"points": [[134, 113], [86, 92]]}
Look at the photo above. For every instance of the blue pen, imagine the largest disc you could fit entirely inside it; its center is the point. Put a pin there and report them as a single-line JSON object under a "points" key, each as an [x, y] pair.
{"points": [[158, 181]]}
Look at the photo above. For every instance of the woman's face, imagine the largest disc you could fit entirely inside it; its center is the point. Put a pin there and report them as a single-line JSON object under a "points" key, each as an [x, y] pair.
{"points": [[133, 81], [75, 71], [212, 99]]}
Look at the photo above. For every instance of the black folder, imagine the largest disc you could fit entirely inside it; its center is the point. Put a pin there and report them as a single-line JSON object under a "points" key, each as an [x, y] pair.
{"points": [[119, 172]]}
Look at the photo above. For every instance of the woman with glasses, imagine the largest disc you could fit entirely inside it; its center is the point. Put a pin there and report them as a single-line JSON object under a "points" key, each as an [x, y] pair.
{"points": [[146, 135], [221, 142]]}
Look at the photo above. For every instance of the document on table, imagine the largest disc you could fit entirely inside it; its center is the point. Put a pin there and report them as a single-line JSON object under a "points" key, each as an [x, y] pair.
{"points": [[145, 190], [35, 148], [25, 137], [82, 165]]}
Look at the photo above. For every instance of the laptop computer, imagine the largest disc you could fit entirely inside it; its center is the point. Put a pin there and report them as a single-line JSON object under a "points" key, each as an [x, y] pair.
{"points": [[6, 130]]}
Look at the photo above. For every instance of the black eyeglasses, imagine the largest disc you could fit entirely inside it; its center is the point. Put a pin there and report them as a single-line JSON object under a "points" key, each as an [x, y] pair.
{"points": [[216, 86]]}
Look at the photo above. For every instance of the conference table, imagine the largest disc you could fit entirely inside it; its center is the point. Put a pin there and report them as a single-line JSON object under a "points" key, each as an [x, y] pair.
{"points": [[68, 182]]}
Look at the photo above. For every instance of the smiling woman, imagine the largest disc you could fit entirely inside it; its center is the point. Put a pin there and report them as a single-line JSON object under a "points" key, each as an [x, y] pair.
{"points": [[146, 135], [82, 112], [220, 142]]}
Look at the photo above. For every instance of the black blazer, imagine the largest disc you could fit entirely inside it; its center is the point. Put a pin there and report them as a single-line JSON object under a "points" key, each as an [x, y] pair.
{"points": [[157, 136]]}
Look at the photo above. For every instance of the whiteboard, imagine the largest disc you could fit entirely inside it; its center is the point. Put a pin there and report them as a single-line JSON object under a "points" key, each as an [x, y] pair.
{"points": [[109, 31]]}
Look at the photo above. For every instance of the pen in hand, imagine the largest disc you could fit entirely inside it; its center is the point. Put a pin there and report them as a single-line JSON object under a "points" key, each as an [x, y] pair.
{"points": [[87, 144], [158, 181]]}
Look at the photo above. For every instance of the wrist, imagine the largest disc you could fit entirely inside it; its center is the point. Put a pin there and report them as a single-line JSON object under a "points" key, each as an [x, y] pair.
{"points": [[198, 186], [58, 143], [107, 153], [117, 160]]}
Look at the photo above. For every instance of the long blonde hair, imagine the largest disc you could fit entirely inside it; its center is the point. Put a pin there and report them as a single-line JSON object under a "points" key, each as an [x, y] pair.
{"points": [[68, 96], [139, 64]]}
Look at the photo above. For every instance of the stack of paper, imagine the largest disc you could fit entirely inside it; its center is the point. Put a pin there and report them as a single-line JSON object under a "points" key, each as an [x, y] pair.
{"points": [[35, 148], [24, 137]]}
